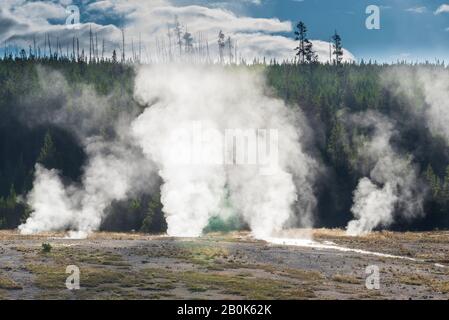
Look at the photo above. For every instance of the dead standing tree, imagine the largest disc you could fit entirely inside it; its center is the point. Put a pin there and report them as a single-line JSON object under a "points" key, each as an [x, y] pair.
{"points": [[221, 45]]}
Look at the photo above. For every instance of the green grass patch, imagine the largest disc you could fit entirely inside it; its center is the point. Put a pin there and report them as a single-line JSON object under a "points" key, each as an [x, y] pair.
{"points": [[76, 256], [259, 288]]}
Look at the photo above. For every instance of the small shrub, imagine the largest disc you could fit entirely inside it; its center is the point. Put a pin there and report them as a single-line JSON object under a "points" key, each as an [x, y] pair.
{"points": [[46, 247]]}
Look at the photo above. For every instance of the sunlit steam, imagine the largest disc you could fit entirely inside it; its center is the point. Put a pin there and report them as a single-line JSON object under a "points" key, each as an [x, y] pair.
{"points": [[391, 184], [214, 136], [221, 100]]}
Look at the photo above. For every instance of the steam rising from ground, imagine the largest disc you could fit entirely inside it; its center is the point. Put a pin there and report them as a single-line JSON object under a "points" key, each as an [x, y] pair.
{"points": [[427, 91], [261, 173], [391, 184], [268, 186], [115, 168], [207, 105]]}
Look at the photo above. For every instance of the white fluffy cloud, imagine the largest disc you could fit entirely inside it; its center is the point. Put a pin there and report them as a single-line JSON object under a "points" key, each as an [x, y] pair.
{"points": [[150, 21], [444, 8], [417, 10]]}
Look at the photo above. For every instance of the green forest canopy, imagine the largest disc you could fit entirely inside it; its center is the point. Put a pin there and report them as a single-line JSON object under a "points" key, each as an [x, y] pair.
{"points": [[322, 91]]}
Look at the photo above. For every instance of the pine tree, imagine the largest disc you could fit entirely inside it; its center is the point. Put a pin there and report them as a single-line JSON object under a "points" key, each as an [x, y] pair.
{"points": [[338, 49], [154, 220], [11, 201], [221, 45], [336, 147], [230, 49], [433, 181], [445, 189], [178, 34], [3, 223], [304, 51], [188, 41], [47, 155]]}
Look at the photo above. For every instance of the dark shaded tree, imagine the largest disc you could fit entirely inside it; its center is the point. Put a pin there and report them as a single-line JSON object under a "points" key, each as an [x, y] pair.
{"points": [[221, 45], [47, 156], [304, 51], [338, 49]]}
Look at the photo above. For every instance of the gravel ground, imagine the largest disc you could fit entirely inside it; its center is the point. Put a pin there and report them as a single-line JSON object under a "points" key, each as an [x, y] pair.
{"points": [[224, 266]]}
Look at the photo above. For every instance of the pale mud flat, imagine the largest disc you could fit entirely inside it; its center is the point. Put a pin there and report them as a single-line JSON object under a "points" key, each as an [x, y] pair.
{"points": [[226, 266]]}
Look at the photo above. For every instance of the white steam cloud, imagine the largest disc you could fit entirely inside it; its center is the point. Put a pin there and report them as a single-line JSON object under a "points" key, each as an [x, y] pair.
{"points": [[262, 172], [222, 100], [427, 91], [107, 177], [390, 187], [115, 169]]}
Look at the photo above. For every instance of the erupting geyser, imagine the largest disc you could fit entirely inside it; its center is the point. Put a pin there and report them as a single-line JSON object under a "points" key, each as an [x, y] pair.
{"points": [[213, 135], [390, 185]]}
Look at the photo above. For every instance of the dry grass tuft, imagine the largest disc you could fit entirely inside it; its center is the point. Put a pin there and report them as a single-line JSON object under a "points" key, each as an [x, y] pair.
{"points": [[345, 278], [9, 284]]}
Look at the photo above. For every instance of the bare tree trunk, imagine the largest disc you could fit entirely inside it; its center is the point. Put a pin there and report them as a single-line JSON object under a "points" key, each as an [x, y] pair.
{"points": [[123, 45], [77, 50], [90, 44]]}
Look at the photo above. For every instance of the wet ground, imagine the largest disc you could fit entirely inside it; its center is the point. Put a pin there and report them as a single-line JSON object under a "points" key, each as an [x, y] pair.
{"points": [[225, 266]]}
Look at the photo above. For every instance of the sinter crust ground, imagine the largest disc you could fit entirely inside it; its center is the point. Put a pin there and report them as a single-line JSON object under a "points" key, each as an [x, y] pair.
{"points": [[222, 266]]}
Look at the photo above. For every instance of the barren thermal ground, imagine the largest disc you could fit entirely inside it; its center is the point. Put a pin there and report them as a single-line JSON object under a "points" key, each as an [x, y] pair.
{"points": [[225, 266]]}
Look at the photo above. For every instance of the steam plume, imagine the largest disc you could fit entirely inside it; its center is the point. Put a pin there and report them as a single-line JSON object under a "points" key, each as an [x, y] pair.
{"points": [[427, 91], [390, 186], [220, 100], [115, 168], [268, 186]]}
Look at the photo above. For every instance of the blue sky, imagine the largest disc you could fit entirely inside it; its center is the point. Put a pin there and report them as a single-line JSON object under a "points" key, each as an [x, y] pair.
{"points": [[410, 29]]}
